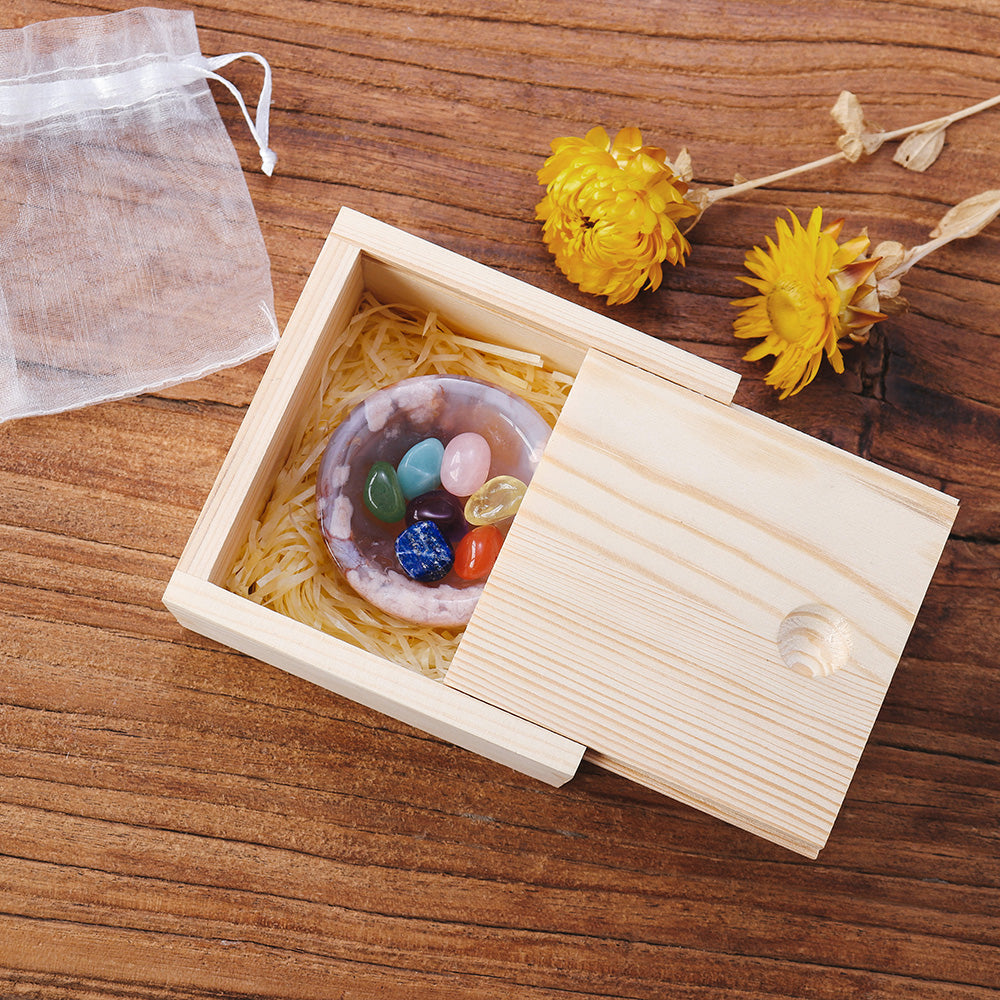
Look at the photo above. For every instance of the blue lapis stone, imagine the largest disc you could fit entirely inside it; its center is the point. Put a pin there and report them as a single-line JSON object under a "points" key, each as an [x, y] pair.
{"points": [[419, 470], [423, 552]]}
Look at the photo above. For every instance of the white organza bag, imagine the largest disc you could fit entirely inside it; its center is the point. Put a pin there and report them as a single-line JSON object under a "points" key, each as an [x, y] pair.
{"points": [[131, 257]]}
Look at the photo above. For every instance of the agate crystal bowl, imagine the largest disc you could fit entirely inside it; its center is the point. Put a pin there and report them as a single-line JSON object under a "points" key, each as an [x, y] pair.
{"points": [[383, 428]]}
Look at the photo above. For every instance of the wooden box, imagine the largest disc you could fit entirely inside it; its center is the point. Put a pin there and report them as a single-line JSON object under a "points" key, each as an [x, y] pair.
{"points": [[702, 599]]}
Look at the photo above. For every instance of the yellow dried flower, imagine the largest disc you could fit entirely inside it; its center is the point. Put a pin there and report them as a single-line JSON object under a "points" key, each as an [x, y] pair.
{"points": [[610, 212], [814, 296]]}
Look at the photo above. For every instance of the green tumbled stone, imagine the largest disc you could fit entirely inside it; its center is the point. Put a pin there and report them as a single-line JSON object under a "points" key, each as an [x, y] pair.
{"points": [[382, 494]]}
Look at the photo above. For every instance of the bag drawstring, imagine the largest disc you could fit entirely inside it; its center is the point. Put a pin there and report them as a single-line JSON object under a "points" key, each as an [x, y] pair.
{"points": [[260, 125], [27, 101]]}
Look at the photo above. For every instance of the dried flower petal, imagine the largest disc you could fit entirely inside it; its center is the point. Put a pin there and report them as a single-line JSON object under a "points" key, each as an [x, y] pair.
{"points": [[847, 113], [965, 219], [968, 217], [920, 148], [610, 212], [814, 296], [891, 255], [860, 138], [683, 167], [889, 298]]}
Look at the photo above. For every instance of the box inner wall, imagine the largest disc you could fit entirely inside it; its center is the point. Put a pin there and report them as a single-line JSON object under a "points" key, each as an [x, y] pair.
{"points": [[388, 285]]}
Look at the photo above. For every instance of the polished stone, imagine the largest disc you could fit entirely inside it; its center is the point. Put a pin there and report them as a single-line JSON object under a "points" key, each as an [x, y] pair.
{"points": [[382, 495], [383, 427], [476, 553], [465, 464], [423, 552], [419, 470], [445, 510], [495, 500]]}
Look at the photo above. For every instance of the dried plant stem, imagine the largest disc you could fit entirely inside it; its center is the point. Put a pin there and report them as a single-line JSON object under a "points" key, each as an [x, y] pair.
{"points": [[719, 193], [916, 254], [933, 124], [968, 218]]}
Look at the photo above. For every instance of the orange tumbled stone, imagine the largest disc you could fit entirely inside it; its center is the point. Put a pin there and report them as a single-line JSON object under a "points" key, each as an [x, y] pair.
{"points": [[476, 553]]}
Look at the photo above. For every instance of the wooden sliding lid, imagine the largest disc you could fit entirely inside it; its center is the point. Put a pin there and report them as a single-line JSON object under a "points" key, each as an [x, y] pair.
{"points": [[710, 601]]}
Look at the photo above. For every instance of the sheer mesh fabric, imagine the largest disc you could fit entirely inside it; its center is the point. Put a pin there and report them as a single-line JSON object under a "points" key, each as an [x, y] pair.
{"points": [[130, 253]]}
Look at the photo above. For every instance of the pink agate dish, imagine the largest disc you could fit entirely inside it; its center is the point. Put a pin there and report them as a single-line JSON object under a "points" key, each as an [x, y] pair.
{"points": [[382, 428]]}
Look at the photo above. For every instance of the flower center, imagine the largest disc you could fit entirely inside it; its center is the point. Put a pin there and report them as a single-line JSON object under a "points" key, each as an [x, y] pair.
{"points": [[788, 309]]}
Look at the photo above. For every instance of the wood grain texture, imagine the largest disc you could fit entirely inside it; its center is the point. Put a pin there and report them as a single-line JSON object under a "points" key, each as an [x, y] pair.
{"points": [[195, 593], [180, 821], [514, 314], [639, 603]]}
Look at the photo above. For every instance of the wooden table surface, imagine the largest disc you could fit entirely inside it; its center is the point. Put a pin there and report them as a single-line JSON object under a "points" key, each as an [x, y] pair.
{"points": [[178, 820]]}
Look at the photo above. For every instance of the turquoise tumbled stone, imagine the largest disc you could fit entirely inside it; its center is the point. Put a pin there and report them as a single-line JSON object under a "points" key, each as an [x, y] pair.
{"points": [[382, 494], [423, 552], [419, 470]]}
